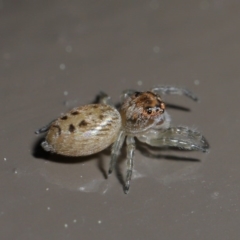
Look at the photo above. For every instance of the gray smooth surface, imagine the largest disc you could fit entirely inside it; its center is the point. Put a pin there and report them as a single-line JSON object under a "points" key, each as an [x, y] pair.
{"points": [[59, 54]]}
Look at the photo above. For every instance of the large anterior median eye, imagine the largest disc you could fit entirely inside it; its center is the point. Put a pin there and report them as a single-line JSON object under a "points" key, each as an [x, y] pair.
{"points": [[149, 110]]}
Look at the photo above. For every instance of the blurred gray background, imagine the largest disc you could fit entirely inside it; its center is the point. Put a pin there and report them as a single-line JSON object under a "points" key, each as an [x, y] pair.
{"points": [[55, 55]]}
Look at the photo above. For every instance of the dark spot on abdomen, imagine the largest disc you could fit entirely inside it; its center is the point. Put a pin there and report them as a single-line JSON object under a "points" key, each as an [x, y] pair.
{"points": [[83, 123], [64, 117], [104, 129], [58, 128], [101, 117], [137, 94], [71, 128], [75, 113], [115, 118]]}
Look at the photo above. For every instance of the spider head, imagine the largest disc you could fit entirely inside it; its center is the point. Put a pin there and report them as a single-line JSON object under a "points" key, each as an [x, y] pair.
{"points": [[141, 111]]}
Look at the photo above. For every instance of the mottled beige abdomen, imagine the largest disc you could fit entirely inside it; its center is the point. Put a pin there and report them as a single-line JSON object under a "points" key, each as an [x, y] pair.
{"points": [[84, 130]]}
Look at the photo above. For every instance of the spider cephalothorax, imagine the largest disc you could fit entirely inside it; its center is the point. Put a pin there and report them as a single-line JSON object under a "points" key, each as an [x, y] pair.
{"points": [[141, 111]]}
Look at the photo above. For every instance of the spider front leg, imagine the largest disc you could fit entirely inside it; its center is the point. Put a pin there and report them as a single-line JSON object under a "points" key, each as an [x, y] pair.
{"points": [[180, 137], [104, 98], [116, 147], [174, 90], [130, 154]]}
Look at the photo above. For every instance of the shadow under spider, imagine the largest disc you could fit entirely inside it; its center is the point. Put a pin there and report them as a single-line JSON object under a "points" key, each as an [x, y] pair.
{"points": [[177, 107], [102, 163], [105, 167], [145, 151], [40, 153]]}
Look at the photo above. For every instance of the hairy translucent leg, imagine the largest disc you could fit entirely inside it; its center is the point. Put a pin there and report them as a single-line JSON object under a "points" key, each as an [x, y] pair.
{"points": [[116, 147], [104, 98], [130, 154], [45, 128], [125, 94], [181, 137], [174, 90]]}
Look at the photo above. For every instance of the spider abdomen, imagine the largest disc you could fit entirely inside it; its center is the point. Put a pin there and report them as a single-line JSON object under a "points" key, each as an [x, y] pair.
{"points": [[83, 131]]}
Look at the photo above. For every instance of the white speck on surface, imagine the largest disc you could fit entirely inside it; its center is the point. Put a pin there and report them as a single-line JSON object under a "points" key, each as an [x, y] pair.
{"points": [[75, 220], [71, 103], [65, 93], [48, 208], [215, 195], [99, 221], [136, 174], [15, 171], [47, 189], [94, 186], [66, 225], [139, 83], [5, 159], [104, 191], [62, 66], [69, 48], [156, 49], [196, 82]]}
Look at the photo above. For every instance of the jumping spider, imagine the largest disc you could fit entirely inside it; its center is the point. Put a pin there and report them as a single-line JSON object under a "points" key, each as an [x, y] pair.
{"points": [[91, 128]]}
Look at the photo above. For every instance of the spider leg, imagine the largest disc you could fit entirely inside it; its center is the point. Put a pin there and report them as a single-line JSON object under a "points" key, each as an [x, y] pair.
{"points": [[174, 90], [45, 128], [117, 145], [180, 137], [104, 98], [130, 154], [126, 93]]}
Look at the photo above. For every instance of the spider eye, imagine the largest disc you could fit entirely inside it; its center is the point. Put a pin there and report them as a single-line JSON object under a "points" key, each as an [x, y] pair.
{"points": [[149, 111]]}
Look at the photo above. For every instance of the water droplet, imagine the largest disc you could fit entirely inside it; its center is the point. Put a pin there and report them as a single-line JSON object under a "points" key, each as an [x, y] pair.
{"points": [[62, 66], [69, 48], [139, 83], [156, 49], [196, 82]]}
